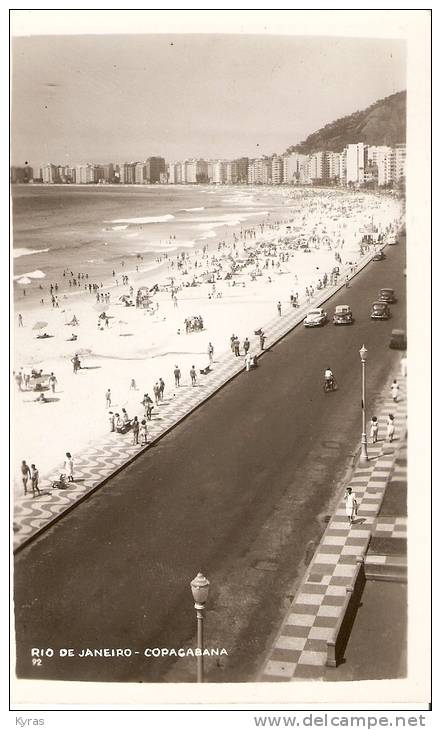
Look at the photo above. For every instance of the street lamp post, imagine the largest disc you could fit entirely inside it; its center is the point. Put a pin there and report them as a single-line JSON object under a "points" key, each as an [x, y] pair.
{"points": [[199, 589], [363, 357]]}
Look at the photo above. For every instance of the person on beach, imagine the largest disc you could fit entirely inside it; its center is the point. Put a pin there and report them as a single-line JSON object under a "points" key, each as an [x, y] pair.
{"points": [[69, 466], [248, 361], [143, 432], [374, 429], [193, 375], [403, 366], [111, 422], [351, 505], [125, 418], [262, 341], [108, 398], [135, 429], [119, 423], [161, 389], [390, 427], [20, 320], [34, 481], [157, 393], [236, 346], [148, 406], [133, 385], [52, 382], [177, 374], [279, 308], [76, 364], [210, 352], [394, 391], [246, 345], [25, 476], [19, 380]]}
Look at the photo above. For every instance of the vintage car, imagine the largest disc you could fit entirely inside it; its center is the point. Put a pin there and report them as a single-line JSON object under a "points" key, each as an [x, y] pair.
{"points": [[379, 256], [315, 318], [380, 310], [398, 340], [387, 295], [343, 314]]}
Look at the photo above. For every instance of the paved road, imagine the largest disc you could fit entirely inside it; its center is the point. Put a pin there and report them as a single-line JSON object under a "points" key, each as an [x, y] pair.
{"points": [[238, 490]]}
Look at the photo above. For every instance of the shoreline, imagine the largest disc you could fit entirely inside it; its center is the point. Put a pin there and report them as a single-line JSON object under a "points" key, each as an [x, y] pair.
{"points": [[265, 268]]}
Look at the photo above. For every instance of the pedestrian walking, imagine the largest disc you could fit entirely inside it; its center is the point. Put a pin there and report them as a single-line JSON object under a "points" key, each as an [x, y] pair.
{"points": [[236, 346], [156, 393], [133, 384], [135, 430], [111, 422], [161, 388], [193, 375], [403, 366], [177, 374], [246, 345], [69, 466], [19, 379], [143, 432], [394, 391], [279, 308], [20, 320], [25, 476], [52, 382], [108, 398], [347, 280], [248, 360], [390, 427], [34, 480], [125, 418], [374, 429], [210, 352], [351, 505], [262, 340]]}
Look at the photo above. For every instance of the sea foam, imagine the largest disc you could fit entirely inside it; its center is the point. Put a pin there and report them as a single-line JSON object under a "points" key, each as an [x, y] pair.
{"points": [[18, 252], [145, 220]]}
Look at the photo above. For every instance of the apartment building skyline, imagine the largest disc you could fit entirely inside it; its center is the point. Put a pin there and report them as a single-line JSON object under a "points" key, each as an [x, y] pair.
{"points": [[358, 164]]}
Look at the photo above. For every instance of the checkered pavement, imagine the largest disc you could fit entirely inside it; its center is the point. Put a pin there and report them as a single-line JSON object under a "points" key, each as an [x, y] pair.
{"points": [[107, 456], [300, 649]]}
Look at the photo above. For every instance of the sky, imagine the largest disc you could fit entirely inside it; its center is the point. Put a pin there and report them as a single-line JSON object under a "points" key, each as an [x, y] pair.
{"points": [[118, 98]]}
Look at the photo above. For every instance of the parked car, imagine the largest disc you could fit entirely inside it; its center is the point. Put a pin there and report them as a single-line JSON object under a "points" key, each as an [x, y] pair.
{"points": [[315, 318], [392, 240], [398, 340], [379, 256], [343, 314], [380, 310], [387, 295]]}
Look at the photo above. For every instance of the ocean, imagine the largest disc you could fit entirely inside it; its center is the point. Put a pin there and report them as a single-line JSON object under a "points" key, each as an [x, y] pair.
{"points": [[92, 229]]}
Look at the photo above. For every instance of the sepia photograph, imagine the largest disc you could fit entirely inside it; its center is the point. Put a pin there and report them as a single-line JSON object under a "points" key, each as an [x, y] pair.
{"points": [[212, 251]]}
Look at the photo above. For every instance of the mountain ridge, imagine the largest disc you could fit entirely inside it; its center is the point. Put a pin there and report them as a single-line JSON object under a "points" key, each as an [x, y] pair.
{"points": [[381, 123]]}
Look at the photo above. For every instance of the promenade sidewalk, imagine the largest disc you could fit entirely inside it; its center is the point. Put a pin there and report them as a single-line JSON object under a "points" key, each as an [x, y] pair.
{"points": [[95, 465], [300, 649]]}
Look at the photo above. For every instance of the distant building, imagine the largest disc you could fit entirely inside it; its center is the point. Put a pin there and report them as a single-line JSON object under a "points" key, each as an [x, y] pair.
{"points": [[219, 172], [127, 173], [22, 174], [259, 171], [140, 173], [356, 162], [49, 174], [276, 170], [291, 167], [154, 168]]}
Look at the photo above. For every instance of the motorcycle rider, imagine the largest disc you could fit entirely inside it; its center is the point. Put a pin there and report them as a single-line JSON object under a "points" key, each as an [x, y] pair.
{"points": [[329, 379]]}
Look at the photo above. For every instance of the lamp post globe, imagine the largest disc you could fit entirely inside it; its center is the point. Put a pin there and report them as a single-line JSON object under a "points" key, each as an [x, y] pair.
{"points": [[199, 588]]}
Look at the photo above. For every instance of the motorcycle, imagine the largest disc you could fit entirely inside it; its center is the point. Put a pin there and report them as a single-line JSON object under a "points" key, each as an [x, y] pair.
{"points": [[329, 384]]}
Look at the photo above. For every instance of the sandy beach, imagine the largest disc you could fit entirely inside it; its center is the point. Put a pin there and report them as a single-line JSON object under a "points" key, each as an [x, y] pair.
{"points": [[233, 279]]}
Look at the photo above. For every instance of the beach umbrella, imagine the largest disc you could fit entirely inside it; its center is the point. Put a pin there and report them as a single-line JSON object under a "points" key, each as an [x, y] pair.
{"points": [[24, 280], [39, 325]]}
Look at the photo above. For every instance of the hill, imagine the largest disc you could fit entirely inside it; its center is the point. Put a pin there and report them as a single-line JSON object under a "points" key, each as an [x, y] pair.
{"points": [[382, 123]]}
